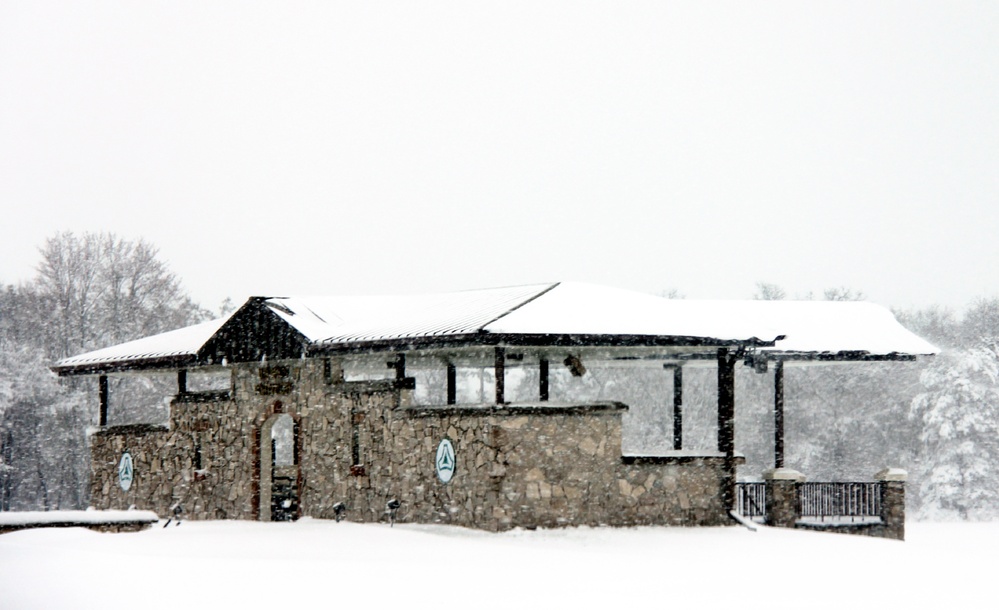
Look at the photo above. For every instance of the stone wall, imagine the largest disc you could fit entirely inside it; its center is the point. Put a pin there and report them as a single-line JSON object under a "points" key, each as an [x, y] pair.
{"points": [[220, 431], [165, 463], [783, 509], [530, 466], [361, 444]]}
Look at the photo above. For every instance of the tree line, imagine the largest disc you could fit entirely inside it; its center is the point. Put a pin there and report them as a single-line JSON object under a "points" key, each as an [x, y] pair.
{"points": [[938, 417], [89, 291]]}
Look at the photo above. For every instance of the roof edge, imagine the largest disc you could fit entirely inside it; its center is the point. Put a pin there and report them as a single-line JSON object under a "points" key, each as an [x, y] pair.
{"points": [[485, 339], [124, 365]]}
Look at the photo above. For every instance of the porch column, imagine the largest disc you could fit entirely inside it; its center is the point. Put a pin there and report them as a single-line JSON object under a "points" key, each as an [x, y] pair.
{"points": [[893, 501], [779, 414], [500, 369], [452, 383], [102, 390], [543, 381], [782, 496], [726, 424], [677, 405]]}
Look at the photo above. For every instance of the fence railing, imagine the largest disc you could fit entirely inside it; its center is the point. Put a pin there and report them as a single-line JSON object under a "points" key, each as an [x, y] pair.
{"points": [[839, 500], [751, 499], [854, 501]]}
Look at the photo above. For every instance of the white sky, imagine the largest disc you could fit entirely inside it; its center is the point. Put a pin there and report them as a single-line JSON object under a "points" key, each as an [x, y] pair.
{"points": [[371, 147]]}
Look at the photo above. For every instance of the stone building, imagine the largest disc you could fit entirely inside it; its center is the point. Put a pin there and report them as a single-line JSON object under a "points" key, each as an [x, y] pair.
{"points": [[361, 407]]}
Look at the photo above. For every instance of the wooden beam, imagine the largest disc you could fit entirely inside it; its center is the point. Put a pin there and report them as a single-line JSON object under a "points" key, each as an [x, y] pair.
{"points": [[726, 424], [543, 382], [779, 414], [726, 402], [102, 389], [500, 370], [528, 340], [677, 407], [452, 383], [182, 381]]}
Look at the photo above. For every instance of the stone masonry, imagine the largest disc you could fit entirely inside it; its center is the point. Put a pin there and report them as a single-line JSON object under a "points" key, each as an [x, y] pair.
{"points": [[782, 508], [362, 444]]}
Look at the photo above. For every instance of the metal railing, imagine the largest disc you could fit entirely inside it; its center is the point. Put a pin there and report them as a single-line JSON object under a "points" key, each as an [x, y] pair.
{"points": [[833, 501], [751, 499], [839, 500]]}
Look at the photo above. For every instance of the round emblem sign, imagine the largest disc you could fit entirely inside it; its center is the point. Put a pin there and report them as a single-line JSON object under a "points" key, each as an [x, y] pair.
{"points": [[125, 471], [444, 462]]}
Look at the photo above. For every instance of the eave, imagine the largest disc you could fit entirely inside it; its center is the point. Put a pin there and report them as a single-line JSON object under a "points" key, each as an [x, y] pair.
{"points": [[122, 366], [528, 340]]}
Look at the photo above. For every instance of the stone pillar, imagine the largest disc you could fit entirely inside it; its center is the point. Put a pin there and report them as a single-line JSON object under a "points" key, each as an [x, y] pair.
{"points": [[782, 496], [893, 501]]}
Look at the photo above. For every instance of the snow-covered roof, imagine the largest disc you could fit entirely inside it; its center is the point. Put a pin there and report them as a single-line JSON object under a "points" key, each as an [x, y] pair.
{"points": [[571, 308], [174, 346], [837, 327], [564, 308], [587, 313], [347, 319]]}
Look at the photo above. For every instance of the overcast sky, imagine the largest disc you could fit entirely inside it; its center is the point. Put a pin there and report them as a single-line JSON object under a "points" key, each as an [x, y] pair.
{"points": [[377, 147]]}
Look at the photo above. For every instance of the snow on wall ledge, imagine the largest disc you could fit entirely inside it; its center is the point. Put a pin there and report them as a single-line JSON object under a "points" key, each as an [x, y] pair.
{"points": [[81, 517], [102, 521]]}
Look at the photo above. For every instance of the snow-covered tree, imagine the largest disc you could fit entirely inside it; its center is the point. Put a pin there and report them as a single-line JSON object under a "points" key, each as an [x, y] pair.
{"points": [[959, 412], [98, 289], [91, 290], [40, 454]]}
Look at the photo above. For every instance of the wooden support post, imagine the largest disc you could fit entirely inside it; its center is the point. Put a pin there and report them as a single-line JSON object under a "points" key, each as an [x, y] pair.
{"points": [[677, 407], [400, 367], [543, 382], [726, 402], [102, 388], [452, 383], [779, 414], [182, 381], [500, 370], [726, 425]]}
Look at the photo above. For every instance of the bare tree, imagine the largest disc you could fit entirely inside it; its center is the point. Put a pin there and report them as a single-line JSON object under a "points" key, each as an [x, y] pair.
{"points": [[98, 289], [769, 292], [842, 293], [91, 291]]}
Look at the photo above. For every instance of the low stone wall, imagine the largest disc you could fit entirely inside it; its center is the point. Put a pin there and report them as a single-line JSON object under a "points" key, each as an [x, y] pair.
{"points": [[783, 511], [166, 463], [104, 528], [361, 444], [540, 465], [101, 521]]}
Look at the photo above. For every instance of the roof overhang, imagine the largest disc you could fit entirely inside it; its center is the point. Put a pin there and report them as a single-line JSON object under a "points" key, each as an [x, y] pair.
{"points": [[530, 340], [608, 323]]}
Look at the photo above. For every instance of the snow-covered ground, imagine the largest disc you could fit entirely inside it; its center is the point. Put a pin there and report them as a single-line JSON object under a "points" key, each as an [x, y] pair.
{"points": [[320, 564]]}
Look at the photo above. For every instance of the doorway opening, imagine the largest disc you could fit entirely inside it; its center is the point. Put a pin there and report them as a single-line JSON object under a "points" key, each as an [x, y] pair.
{"points": [[279, 469]]}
